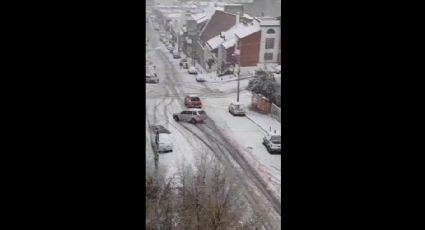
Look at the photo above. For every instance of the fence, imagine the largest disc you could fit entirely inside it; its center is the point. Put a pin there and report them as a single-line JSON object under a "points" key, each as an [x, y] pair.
{"points": [[276, 112], [260, 103]]}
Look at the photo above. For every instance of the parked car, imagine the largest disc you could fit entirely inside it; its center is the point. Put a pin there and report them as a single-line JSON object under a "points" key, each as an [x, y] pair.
{"points": [[277, 69], [192, 70], [237, 108], [183, 63], [164, 143], [176, 54], [191, 115], [200, 78], [272, 143], [163, 138], [191, 101], [151, 77]]}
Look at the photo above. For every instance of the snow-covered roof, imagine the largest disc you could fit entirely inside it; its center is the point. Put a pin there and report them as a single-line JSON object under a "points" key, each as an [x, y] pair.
{"points": [[247, 16], [216, 41], [242, 30], [268, 21], [199, 18], [229, 43]]}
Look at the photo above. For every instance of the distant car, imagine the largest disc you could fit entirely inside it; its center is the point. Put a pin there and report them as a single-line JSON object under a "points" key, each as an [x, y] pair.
{"points": [[237, 108], [183, 62], [272, 143], [200, 78], [190, 115], [191, 101], [192, 70], [151, 77], [176, 54]]}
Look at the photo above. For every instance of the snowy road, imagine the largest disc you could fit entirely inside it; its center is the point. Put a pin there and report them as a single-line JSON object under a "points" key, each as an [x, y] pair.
{"points": [[254, 168]]}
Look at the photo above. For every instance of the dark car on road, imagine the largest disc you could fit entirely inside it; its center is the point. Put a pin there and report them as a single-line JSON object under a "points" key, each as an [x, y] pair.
{"points": [[176, 54], [183, 63]]}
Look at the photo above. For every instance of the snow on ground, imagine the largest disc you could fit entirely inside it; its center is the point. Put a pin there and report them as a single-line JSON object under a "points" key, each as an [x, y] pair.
{"points": [[244, 133], [149, 157], [247, 137]]}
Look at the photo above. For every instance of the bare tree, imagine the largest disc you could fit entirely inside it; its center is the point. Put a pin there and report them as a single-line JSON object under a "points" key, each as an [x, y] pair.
{"points": [[205, 196]]}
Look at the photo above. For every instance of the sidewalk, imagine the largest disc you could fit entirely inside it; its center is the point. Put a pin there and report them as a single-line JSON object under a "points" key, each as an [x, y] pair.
{"points": [[265, 121]]}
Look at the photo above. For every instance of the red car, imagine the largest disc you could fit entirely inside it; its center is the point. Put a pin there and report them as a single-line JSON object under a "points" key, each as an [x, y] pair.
{"points": [[192, 102]]}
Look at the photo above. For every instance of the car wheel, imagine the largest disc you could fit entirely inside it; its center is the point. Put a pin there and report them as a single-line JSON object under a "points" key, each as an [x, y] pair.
{"points": [[268, 149], [176, 118], [193, 121]]}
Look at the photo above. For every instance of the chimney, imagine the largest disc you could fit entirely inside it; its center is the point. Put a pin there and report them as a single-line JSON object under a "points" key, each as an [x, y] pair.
{"points": [[237, 18]]}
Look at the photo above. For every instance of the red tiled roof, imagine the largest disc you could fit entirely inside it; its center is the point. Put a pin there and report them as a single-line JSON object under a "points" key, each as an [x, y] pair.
{"points": [[220, 21]]}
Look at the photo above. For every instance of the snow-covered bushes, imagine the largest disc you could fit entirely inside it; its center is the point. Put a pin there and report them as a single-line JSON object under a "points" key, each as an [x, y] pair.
{"points": [[265, 84]]}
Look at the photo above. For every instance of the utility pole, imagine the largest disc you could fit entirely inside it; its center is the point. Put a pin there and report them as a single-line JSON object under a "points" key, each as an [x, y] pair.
{"points": [[156, 156], [193, 51], [239, 70], [238, 73]]}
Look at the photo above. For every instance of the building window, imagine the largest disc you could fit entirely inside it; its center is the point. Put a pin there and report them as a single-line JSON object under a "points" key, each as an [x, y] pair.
{"points": [[270, 31], [269, 43], [268, 56]]}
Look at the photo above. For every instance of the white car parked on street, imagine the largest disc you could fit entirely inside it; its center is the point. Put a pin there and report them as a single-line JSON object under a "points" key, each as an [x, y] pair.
{"points": [[164, 143], [272, 143], [192, 70], [200, 78], [163, 139], [236, 108]]}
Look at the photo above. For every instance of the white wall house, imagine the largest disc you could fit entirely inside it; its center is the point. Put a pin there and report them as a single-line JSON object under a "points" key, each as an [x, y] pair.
{"points": [[270, 39]]}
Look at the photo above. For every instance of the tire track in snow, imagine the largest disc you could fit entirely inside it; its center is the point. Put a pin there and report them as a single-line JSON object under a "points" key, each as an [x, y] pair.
{"points": [[253, 197], [247, 178]]}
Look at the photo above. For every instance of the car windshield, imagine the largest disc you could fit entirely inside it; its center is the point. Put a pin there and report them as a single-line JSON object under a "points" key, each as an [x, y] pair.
{"points": [[238, 106], [276, 139], [195, 99]]}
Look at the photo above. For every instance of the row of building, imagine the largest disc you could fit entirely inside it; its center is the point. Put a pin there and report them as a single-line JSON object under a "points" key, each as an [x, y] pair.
{"points": [[220, 36]]}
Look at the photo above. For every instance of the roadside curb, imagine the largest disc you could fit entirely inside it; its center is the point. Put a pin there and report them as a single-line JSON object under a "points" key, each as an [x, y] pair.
{"points": [[246, 115], [217, 81]]}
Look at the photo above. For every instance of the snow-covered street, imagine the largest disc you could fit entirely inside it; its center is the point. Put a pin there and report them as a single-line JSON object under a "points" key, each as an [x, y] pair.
{"points": [[235, 141]]}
